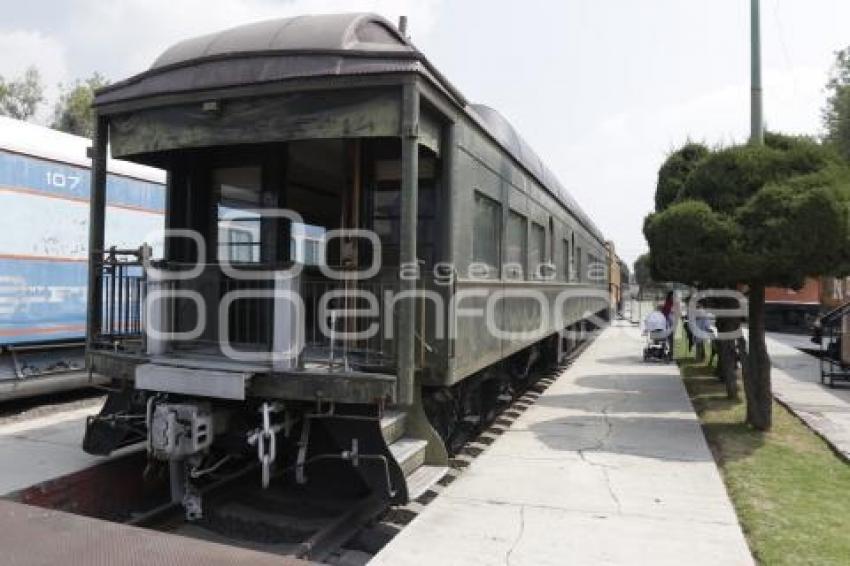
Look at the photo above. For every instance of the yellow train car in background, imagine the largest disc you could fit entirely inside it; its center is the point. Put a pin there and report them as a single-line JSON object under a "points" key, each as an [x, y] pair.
{"points": [[618, 279]]}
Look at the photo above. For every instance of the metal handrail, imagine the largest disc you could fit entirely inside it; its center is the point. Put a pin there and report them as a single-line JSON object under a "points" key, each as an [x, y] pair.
{"points": [[122, 278]]}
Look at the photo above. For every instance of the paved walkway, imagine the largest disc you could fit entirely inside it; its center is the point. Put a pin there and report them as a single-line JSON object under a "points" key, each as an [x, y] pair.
{"points": [[609, 466], [796, 384]]}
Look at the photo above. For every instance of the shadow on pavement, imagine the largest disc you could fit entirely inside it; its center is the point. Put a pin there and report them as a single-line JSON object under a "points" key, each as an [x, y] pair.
{"points": [[659, 438]]}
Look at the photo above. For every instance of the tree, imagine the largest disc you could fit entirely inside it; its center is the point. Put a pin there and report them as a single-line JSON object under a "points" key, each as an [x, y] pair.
{"points": [[674, 171], [697, 245], [625, 274], [756, 216], [20, 98], [836, 113], [73, 111], [642, 275]]}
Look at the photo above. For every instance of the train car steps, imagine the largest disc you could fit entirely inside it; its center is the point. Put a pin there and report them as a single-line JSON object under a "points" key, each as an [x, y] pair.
{"points": [[423, 478], [392, 425], [410, 454]]}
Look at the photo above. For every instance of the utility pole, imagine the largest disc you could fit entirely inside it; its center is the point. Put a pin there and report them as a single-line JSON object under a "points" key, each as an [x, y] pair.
{"points": [[756, 118]]}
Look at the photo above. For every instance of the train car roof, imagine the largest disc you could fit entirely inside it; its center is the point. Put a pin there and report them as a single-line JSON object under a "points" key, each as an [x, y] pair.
{"points": [[31, 139], [509, 138], [316, 46], [276, 50], [366, 33]]}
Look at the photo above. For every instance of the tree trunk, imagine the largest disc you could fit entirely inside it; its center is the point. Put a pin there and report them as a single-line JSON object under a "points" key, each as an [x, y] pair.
{"points": [[699, 351], [726, 358], [757, 374]]}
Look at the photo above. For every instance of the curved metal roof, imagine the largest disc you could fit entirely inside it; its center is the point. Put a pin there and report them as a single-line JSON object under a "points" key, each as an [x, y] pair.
{"points": [[317, 46], [278, 50], [366, 33], [509, 138]]}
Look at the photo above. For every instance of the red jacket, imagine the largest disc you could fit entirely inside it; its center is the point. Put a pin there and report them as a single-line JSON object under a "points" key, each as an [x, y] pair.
{"points": [[667, 308]]}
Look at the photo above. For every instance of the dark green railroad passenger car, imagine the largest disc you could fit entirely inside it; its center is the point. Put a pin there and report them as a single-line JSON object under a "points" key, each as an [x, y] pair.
{"points": [[360, 260]]}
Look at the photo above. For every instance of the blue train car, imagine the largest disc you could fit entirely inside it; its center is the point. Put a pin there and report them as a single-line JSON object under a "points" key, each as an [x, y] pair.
{"points": [[44, 194]]}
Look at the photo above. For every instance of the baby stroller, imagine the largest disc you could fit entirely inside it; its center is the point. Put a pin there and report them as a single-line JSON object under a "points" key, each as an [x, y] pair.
{"points": [[657, 347]]}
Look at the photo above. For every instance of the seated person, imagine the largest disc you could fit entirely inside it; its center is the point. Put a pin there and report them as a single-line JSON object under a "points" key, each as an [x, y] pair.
{"points": [[703, 331]]}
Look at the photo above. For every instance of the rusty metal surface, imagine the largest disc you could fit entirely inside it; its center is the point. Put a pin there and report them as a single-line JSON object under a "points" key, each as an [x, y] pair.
{"points": [[299, 116], [344, 387], [32, 536]]}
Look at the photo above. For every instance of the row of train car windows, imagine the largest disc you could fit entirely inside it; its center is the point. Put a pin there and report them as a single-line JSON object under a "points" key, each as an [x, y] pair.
{"points": [[525, 255]]}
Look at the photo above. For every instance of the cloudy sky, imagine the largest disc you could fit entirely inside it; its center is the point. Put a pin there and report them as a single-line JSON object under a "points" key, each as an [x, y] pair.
{"points": [[602, 89]]}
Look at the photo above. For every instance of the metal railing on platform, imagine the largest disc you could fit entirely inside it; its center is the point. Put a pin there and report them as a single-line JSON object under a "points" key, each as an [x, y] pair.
{"points": [[344, 335], [250, 318], [123, 294]]}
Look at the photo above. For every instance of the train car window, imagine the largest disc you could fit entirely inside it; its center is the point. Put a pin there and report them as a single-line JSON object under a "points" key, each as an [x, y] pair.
{"points": [[551, 257], [537, 250], [566, 267], [579, 276], [239, 244], [386, 209], [487, 234], [573, 260], [596, 270], [239, 191], [312, 239], [516, 252]]}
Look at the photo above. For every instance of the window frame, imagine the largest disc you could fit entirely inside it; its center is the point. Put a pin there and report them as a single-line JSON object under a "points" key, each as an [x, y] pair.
{"points": [[235, 211], [534, 271], [494, 269], [522, 260], [578, 257]]}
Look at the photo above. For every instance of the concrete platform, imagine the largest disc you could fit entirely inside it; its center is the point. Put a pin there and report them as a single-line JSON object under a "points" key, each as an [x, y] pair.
{"points": [[43, 448], [796, 384], [31, 536], [610, 466]]}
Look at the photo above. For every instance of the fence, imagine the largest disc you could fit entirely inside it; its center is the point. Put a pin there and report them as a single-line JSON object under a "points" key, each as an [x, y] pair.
{"points": [[373, 345], [337, 327], [123, 295]]}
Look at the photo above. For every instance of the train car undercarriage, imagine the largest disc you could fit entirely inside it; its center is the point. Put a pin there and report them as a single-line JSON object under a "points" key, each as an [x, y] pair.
{"points": [[362, 449]]}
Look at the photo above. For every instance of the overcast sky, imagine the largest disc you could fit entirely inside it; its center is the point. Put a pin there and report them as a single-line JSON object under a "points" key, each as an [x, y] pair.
{"points": [[603, 90]]}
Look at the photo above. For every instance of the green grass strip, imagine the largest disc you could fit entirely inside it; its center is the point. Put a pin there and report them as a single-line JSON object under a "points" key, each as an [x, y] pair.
{"points": [[790, 490]]}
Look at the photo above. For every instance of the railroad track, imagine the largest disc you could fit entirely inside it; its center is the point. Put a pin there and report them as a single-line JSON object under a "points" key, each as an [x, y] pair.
{"points": [[284, 519], [333, 528]]}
